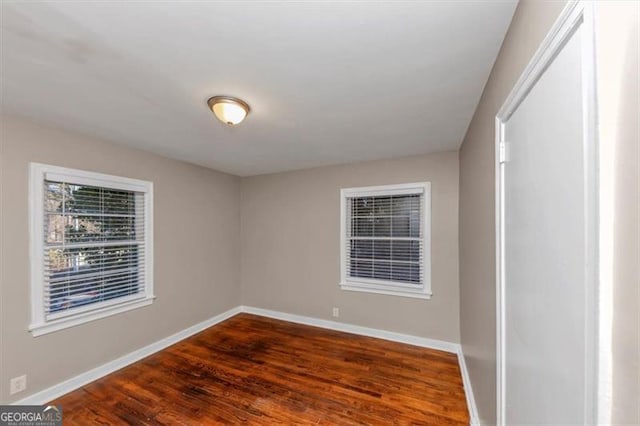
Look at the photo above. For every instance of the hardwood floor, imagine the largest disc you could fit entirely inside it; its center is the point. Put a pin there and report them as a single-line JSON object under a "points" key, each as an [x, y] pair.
{"points": [[251, 369]]}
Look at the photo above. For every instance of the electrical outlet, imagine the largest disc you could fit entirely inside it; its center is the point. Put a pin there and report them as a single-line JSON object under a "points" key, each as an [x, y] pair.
{"points": [[17, 384], [336, 312]]}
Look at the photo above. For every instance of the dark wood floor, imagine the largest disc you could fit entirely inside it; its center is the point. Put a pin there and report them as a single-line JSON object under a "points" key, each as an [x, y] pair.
{"points": [[251, 369]]}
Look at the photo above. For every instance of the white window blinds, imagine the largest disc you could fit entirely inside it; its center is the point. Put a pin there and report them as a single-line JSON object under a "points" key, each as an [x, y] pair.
{"points": [[93, 244], [385, 237]]}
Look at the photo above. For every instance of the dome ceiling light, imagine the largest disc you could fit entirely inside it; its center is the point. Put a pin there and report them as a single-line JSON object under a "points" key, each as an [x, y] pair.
{"points": [[228, 109]]}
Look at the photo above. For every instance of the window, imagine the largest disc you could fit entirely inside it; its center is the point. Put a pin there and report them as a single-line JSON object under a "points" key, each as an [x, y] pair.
{"points": [[91, 246], [385, 242]]}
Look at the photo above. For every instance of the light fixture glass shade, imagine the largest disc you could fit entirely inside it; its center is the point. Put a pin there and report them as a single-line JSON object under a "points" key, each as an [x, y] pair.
{"points": [[228, 110]]}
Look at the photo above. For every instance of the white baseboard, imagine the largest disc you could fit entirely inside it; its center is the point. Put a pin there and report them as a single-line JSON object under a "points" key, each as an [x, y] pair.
{"points": [[468, 391], [356, 329], [82, 379]]}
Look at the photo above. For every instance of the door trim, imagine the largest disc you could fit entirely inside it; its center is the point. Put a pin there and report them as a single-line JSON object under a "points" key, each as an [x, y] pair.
{"points": [[575, 14]]}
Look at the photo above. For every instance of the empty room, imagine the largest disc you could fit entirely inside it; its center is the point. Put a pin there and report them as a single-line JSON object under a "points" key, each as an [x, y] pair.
{"points": [[319, 212]]}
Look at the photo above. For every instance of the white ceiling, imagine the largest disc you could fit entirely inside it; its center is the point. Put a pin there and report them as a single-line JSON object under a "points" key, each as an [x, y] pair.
{"points": [[328, 82]]}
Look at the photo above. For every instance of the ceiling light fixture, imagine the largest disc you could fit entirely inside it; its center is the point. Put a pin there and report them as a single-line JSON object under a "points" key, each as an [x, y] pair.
{"points": [[228, 109]]}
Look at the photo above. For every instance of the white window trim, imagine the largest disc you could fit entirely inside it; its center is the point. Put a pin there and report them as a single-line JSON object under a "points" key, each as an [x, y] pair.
{"points": [[420, 291], [38, 173]]}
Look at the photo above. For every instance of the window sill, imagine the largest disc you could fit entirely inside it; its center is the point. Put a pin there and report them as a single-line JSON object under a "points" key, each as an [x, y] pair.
{"points": [[390, 290], [71, 321]]}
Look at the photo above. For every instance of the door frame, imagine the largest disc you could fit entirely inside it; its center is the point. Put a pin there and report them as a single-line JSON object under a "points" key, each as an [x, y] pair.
{"points": [[575, 14]]}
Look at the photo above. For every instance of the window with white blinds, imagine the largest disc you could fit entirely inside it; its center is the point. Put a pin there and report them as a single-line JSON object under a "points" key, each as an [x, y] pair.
{"points": [[92, 246], [385, 239]]}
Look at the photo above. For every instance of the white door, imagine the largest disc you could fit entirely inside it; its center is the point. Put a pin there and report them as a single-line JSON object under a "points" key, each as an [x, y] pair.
{"points": [[547, 242]]}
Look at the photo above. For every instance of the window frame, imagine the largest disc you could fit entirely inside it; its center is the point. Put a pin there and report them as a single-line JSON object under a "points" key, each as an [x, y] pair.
{"points": [[39, 324], [394, 288]]}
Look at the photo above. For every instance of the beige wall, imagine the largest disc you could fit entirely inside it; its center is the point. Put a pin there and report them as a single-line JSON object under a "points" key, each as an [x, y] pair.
{"points": [[196, 213], [291, 246], [532, 20], [618, 42]]}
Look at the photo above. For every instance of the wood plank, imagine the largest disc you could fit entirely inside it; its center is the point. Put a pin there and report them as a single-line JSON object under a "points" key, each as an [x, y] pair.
{"points": [[251, 369]]}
